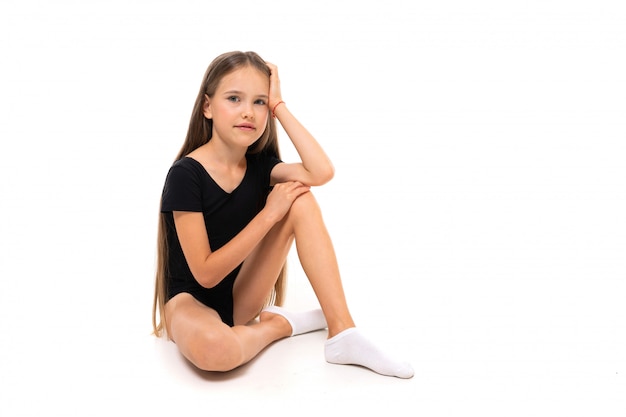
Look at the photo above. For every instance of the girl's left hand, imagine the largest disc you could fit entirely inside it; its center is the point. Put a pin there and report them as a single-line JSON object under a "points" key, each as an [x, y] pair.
{"points": [[275, 95]]}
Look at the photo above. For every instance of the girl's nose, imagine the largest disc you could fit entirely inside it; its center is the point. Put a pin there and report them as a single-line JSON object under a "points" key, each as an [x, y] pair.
{"points": [[247, 112]]}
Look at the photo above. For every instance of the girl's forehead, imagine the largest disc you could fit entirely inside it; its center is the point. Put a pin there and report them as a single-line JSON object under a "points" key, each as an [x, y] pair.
{"points": [[247, 76]]}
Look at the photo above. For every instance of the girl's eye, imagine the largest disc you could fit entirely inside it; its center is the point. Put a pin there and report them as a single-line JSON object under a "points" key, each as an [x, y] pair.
{"points": [[260, 101], [234, 99]]}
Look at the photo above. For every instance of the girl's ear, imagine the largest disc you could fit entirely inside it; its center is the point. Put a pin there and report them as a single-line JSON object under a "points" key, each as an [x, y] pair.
{"points": [[206, 107]]}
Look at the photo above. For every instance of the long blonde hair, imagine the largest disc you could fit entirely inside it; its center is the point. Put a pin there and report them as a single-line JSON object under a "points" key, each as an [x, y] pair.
{"points": [[199, 133]]}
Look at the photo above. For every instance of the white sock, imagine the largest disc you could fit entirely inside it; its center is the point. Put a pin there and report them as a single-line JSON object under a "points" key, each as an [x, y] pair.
{"points": [[350, 347], [301, 322]]}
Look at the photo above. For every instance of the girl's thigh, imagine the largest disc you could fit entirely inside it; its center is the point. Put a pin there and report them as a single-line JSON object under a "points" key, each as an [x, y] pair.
{"points": [[200, 334]]}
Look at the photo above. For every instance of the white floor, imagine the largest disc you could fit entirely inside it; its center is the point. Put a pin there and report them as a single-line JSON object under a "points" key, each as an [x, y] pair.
{"points": [[475, 353]]}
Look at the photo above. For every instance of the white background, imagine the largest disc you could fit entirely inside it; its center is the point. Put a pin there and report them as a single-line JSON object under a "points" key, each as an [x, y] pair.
{"points": [[477, 210]]}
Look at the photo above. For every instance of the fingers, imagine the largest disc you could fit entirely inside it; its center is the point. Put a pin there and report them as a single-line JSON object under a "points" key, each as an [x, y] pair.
{"points": [[282, 196], [275, 94], [273, 68], [292, 189]]}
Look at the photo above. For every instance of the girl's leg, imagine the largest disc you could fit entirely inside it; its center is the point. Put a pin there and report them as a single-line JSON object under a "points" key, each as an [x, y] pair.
{"points": [[259, 273], [211, 345], [346, 345], [317, 256], [319, 262]]}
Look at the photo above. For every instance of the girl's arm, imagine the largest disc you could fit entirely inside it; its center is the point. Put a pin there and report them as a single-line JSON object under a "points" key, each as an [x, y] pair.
{"points": [[210, 267], [315, 168]]}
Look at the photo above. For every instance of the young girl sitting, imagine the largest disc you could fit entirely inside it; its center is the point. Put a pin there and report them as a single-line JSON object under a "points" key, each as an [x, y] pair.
{"points": [[230, 211]]}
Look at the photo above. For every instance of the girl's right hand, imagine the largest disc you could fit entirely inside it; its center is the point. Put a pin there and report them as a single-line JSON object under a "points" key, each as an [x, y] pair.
{"points": [[275, 96], [281, 198]]}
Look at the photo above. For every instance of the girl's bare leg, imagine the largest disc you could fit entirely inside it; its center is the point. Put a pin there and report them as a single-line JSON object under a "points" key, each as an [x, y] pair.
{"points": [[316, 253], [345, 345], [211, 345], [319, 261]]}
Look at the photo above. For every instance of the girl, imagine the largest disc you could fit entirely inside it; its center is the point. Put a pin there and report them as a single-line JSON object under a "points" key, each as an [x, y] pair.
{"points": [[230, 211]]}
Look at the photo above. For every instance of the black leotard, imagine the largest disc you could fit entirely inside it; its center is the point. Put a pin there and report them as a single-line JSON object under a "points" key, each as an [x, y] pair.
{"points": [[189, 187]]}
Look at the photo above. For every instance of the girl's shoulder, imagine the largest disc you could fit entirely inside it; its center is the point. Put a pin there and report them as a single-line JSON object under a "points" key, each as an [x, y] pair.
{"points": [[185, 169], [187, 164]]}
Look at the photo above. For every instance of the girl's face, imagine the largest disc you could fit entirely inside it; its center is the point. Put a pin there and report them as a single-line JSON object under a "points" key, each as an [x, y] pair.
{"points": [[239, 107]]}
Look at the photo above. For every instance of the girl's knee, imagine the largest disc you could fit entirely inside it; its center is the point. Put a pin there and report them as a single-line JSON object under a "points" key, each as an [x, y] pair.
{"points": [[305, 204], [216, 351], [304, 208]]}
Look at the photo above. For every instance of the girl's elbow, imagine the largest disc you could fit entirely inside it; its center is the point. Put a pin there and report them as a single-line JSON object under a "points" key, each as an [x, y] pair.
{"points": [[325, 176], [331, 173], [206, 279], [208, 283]]}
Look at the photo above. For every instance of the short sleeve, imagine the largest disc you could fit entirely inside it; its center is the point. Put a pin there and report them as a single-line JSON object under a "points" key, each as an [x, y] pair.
{"points": [[182, 190], [269, 162]]}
